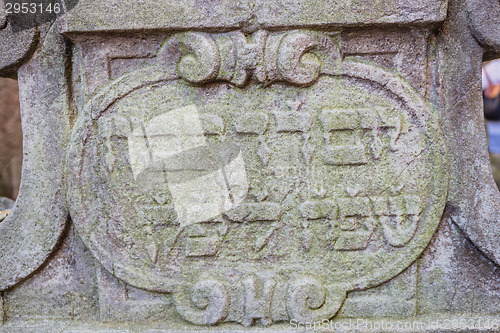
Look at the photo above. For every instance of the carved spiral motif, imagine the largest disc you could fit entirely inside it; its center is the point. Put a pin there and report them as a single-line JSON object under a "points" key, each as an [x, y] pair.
{"points": [[305, 296], [348, 125], [209, 299], [296, 64], [200, 60]]}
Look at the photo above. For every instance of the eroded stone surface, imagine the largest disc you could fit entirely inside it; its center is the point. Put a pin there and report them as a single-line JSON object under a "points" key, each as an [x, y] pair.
{"points": [[31, 232], [15, 47], [175, 14], [245, 164], [343, 189], [11, 151], [483, 22]]}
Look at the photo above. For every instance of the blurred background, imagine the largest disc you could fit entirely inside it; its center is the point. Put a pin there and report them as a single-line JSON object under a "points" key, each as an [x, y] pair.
{"points": [[491, 97], [11, 153]]}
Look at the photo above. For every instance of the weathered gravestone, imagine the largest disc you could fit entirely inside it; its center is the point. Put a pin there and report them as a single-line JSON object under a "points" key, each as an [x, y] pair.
{"points": [[244, 164]]}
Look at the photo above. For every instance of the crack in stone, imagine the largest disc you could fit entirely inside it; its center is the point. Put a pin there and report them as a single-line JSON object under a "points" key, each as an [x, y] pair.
{"points": [[404, 170]]}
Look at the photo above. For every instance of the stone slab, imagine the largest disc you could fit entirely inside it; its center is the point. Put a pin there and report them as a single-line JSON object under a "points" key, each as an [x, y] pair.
{"points": [[350, 118], [118, 15]]}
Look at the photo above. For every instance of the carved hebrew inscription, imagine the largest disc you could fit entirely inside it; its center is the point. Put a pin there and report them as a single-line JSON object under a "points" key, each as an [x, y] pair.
{"points": [[257, 178]]}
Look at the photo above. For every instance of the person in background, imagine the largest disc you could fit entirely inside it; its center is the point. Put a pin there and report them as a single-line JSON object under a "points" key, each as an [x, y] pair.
{"points": [[491, 98]]}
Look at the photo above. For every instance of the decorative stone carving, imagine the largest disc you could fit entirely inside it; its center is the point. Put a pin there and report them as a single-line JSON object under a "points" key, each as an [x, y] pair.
{"points": [[32, 230], [252, 163]]}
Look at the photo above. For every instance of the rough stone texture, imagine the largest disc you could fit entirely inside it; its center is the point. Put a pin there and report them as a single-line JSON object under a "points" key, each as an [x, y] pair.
{"points": [[232, 165], [119, 15], [31, 232], [483, 22], [11, 150], [65, 287], [456, 278], [6, 203]]}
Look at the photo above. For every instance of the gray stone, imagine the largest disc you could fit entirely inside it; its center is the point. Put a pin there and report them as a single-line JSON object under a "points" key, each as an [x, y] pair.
{"points": [[31, 232], [483, 22], [6, 203], [254, 166], [15, 47], [474, 199], [3, 15], [117, 15]]}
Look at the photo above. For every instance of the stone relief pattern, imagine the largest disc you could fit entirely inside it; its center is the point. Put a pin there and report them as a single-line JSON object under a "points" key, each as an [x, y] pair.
{"points": [[333, 136], [265, 57], [433, 58], [106, 58]]}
